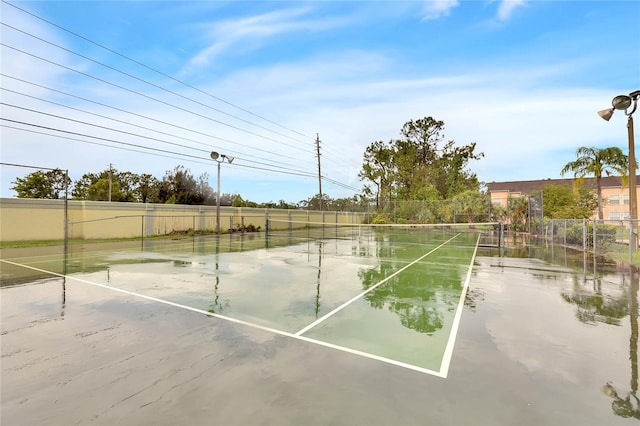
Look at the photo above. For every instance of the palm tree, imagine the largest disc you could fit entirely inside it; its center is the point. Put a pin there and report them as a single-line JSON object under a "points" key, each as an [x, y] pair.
{"points": [[595, 161]]}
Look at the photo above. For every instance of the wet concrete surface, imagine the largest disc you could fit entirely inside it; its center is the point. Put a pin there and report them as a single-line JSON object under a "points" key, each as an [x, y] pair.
{"points": [[538, 344]]}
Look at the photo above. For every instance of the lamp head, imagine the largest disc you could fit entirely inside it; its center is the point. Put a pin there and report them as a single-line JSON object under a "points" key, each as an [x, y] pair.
{"points": [[214, 155], [230, 159], [621, 102], [606, 113]]}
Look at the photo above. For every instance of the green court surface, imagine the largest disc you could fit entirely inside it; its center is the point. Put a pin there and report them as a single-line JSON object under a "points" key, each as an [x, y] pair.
{"points": [[388, 294], [375, 327]]}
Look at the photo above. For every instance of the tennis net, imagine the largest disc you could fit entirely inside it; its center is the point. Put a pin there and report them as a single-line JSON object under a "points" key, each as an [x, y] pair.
{"points": [[491, 233]]}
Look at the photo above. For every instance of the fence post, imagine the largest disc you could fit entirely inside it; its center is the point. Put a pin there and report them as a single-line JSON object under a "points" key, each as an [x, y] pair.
{"points": [[630, 244], [584, 235], [594, 240]]}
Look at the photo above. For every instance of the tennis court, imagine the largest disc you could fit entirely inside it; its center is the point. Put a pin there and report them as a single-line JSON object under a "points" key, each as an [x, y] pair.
{"points": [[387, 325]]}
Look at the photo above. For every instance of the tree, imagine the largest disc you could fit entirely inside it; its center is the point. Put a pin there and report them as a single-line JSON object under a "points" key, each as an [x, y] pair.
{"points": [[95, 186], [596, 161], [39, 184], [147, 189], [378, 169], [206, 192], [178, 186], [518, 212], [471, 206], [312, 203], [419, 165], [564, 202]]}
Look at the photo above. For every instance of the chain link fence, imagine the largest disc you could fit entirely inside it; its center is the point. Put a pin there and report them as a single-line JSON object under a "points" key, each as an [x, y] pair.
{"points": [[439, 211], [612, 239]]}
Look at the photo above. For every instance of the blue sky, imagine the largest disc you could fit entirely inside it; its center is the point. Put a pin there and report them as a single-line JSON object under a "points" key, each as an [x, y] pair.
{"points": [[259, 80]]}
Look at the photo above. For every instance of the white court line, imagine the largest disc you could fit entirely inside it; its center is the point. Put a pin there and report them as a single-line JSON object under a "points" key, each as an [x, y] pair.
{"points": [[296, 335], [347, 303], [154, 299], [448, 352], [237, 321]]}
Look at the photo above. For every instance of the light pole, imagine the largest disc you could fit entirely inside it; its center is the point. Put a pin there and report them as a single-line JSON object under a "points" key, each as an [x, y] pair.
{"points": [[622, 103], [219, 158]]}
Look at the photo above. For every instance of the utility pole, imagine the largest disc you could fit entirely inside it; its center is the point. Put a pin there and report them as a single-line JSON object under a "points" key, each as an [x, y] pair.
{"points": [[319, 174], [110, 174]]}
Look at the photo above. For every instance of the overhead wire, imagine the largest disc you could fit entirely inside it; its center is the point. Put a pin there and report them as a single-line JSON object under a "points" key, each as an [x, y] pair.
{"points": [[153, 69], [142, 94], [140, 126], [187, 156], [335, 160], [153, 151], [161, 88], [127, 133]]}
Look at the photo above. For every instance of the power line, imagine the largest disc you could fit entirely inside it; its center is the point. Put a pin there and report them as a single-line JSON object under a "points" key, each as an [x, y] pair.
{"points": [[189, 156], [153, 69], [306, 174], [146, 96], [151, 84], [121, 131], [134, 114], [152, 151]]}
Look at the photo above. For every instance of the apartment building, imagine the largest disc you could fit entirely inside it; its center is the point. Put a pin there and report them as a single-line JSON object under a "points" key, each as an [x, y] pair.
{"points": [[615, 196]]}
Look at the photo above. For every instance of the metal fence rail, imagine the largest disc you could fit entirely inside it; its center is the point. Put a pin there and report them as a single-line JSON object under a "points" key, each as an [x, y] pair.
{"points": [[602, 238]]}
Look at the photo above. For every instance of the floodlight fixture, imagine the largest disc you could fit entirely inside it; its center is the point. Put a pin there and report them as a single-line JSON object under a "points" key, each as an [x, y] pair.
{"points": [[606, 114], [623, 103], [219, 158]]}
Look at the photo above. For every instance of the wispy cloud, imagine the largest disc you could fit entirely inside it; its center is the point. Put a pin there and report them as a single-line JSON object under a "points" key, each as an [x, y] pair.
{"points": [[506, 8], [435, 9], [252, 32]]}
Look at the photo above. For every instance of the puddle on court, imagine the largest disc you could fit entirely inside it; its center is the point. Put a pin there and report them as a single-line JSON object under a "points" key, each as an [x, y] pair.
{"points": [[538, 322], [287, 287]]}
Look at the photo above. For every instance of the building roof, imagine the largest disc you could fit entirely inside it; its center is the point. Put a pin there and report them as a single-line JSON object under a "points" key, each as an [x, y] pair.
{"points": [[528, 186]]}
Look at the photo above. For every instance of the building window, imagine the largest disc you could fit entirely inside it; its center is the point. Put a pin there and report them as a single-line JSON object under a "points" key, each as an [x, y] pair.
{"points": [[626, 200], [614, 200], [619, 215]]}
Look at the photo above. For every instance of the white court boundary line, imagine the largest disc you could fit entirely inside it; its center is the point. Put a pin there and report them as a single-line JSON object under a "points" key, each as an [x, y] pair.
{"points": [[445, 362], [373, 287], [448, 351]]}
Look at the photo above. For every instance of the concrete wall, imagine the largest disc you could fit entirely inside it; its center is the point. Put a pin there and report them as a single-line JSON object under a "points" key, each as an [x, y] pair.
{"points": [[24, 219]]}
